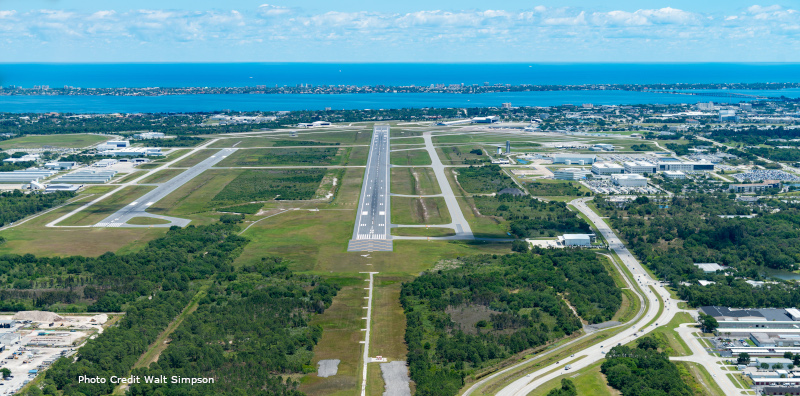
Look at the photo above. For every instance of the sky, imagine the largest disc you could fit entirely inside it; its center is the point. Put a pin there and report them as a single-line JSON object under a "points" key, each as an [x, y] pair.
{"points": [[399, 31]]}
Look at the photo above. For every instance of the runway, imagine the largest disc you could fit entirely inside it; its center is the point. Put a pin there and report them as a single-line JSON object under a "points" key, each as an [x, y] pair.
{"points": [[371, 231], [139, 207]]}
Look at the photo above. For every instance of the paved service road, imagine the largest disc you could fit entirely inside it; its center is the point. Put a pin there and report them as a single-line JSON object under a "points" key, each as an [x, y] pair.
{"points": [[595, 353], [139, 207], [371, 231]]}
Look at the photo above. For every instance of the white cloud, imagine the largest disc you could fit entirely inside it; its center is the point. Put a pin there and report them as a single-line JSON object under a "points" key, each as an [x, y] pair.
{"points": [[553, 29]]}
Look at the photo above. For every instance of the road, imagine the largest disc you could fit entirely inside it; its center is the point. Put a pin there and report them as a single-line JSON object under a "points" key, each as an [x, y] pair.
{"points": [[371, 231], [595, 353], [139, 207]]}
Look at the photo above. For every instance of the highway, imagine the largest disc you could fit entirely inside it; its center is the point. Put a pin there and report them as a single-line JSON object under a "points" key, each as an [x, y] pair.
{"points": [[371, 231], [139, 207], [651, 319]]}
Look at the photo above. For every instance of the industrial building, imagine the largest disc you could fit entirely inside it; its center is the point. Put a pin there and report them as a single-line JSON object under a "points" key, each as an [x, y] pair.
{"points": [[629, 180], [685, 166], [574, 159], [754, 187], [575, 240], [728, 116], [709, 267], [105, 163], [87, 176], [780, 390], [113, 144], [606, 168], [485, 120], [134, 152], [570, 174], [674, 175], [149, 135], [25, 176], [744, 322], [640, 167], [60, 165]]}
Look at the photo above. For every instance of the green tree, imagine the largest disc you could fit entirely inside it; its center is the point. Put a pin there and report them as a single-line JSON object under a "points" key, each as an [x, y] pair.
{"points": [[519, 245], [5, 371], [708, 323], [744, 358], [764, 366]]}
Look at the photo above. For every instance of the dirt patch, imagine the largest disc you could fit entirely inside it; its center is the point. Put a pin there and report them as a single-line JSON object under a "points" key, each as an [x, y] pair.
{"points": [[468, 315], [328, 367], [395, 378]]}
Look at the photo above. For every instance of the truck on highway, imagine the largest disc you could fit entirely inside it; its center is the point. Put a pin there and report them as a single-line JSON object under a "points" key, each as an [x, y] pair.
{"points": [[567, 367]]}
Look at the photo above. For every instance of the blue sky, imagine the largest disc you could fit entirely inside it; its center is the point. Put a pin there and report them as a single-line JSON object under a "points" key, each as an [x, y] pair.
{"points": [[398, 31]]}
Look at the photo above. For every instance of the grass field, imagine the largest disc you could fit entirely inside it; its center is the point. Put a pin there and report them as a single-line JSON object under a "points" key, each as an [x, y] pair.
{"points": [[33, 237], [410, 157], [99, 211], [275, 141], [677, 346], [588, 381], [162, 176], [406, 210], [193, 199], [284, 157], [146, 221], [342, 326], [423, 231], [414, 181], [460, 155], [269, 184], [195, 158], [79, 140], [482, 226], [128, 177], [356, 156]]}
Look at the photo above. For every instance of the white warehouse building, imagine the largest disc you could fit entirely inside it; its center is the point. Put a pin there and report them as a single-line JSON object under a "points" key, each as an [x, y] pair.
{"points": [[606, 168], [640, 167], [629, 180], [570, 174], [575, 240], [574, 159]]}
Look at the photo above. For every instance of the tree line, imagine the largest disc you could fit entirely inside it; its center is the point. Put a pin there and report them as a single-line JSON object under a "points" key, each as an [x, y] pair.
{"points": [[524, 299]]}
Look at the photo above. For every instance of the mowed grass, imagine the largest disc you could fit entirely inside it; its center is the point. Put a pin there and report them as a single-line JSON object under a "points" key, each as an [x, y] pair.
{"points": [[459, 155], [414, 181], [406, 210], [100, 210], [130, 176], [194, 196], [79, 140], [285, 157], [482, 226], [341, 338], [410, 157], [34, 238], [146, 221], [357, 156], [161, 176], [588, 381], [195, 158], [423, 231]]}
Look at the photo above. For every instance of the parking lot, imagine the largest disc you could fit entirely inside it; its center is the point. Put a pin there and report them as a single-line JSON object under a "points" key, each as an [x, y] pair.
{"points": [[607, 187], [30, 347]]}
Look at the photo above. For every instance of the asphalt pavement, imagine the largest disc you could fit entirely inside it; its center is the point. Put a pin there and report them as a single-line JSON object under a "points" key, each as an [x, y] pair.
{"points": [[139, 207], [371, 231]]}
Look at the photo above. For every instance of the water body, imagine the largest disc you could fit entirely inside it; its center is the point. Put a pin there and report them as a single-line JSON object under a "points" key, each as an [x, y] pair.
{"points": [[288, 102], [272, 74], [783, 275]]}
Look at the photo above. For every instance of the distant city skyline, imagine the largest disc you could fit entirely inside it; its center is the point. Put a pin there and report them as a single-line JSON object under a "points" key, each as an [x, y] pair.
{"points": [[408, 31]]}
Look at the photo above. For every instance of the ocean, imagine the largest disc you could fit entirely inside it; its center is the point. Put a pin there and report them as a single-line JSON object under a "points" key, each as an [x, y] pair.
{"points": [[291, 74]]}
